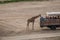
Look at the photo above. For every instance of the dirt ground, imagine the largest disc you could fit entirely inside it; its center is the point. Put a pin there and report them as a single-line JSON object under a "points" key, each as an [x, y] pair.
{"points": [[50, 36], [13, 16]]}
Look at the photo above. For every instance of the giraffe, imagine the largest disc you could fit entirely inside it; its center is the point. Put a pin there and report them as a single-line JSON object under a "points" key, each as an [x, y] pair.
{"points": [[32, 20]]}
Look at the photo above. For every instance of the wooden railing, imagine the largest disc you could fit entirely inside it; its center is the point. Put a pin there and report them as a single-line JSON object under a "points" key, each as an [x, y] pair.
{"points": [[51, 22]]}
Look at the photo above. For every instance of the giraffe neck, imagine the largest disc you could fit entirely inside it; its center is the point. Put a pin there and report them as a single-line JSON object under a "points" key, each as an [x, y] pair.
{"points": [[36, 16]]}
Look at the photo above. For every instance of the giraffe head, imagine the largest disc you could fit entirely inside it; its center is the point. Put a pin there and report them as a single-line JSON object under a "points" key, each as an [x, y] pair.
{"points": [[40, 15]]}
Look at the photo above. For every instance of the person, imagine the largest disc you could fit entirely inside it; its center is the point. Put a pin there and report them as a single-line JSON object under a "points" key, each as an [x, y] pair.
{"points": [[42, 19]]}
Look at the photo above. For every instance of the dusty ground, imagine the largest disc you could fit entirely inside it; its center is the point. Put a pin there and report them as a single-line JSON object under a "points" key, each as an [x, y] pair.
{"points": [[13, 16], [50, 36]]}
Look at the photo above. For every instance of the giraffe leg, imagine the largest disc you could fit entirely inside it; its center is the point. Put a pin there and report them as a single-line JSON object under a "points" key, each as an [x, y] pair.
{"points": [[27, 26], [33, 25]]}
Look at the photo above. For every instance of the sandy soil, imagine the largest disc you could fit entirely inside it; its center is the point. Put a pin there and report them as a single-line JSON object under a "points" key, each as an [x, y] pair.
{"points": [[13, 16], [53, 36]]}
